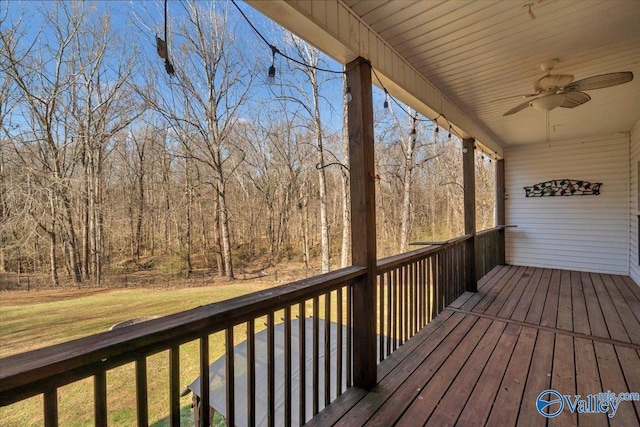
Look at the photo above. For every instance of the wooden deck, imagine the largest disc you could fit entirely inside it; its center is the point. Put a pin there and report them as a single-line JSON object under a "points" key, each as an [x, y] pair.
{"points": [[485, 359]]}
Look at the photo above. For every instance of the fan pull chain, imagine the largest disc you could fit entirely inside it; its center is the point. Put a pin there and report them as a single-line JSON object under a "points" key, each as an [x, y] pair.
{"points": [[548, 130]]}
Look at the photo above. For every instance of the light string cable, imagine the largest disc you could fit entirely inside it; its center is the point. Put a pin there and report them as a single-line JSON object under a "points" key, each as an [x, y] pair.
{"points": [[395, 101], [275, 51], [435, 121]]}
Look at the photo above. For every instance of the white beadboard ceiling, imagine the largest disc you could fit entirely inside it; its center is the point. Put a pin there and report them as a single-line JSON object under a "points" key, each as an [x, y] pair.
{"points": [[477, 51]]}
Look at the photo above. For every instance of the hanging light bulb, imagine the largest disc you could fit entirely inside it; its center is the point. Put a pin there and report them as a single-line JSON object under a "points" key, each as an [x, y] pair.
{"points": [[437, 129], [347, 94], [271, 77], [386, 100], [168, 66], [449, 135]]}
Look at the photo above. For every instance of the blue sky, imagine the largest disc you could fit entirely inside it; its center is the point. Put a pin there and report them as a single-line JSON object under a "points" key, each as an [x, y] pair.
{"points": [[140, 21]]}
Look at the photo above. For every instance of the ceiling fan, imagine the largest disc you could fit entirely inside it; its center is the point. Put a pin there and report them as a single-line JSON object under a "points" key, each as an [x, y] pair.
{"points": [[559, 90]]}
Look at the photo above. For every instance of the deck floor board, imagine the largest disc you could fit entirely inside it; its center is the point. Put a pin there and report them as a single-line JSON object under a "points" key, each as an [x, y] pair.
{"points": [[484, 360]]}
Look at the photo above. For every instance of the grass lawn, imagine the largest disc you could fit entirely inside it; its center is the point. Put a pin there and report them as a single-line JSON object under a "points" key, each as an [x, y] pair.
{"points": [[29, 320]]}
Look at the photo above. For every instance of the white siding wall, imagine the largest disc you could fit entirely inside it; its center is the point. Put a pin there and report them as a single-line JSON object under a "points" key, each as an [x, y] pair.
{"points": [[586, 233], [634, 211]]}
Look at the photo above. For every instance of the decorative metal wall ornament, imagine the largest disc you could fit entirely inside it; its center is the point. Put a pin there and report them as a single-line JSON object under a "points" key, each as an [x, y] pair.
{"points": [[563, 187]]}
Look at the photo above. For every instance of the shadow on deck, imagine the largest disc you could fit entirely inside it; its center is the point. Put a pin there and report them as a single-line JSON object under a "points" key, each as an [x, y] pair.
{"points": [[487, 357]]}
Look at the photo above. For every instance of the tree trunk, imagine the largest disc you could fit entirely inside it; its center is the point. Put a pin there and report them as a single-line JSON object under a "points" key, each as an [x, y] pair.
{"points": [[322, 179], [304, 220], [345, 252], [226, 236], [53, 257], [86, 244], [405, 225], [216, 233], [140, 216], [187, 255]]}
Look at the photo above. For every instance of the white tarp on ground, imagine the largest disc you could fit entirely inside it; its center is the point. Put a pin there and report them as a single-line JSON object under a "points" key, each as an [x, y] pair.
{"points": [[217, 396]]}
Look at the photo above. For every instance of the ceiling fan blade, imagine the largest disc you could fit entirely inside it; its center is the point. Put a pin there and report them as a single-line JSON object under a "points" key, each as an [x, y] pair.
{"points": [[554, 80], [601, 81], [574, 99], [514, 97], [517, 108]]}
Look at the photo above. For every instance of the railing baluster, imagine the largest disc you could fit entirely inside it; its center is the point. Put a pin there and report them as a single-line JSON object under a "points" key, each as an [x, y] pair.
{"points": [[251, 373], [389, 311], [403, 304], [439, 277], [414, 297], [406, 286], [100, 398], [423, 293], [230, 376], [271, 372], [302, 355], [409, 304], [316, 357], [174, 386], [327, 349], [141, 392], [450, 283], [429, 293], [205, 418], [51, 408], [339, 341], [349, 335], [381, 312], [287, 367], [396, 307]]}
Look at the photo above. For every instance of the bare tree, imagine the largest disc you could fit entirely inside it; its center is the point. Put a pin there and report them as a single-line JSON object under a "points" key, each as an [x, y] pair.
{"points": [[205, 99], [72, 83], [308, 100]]}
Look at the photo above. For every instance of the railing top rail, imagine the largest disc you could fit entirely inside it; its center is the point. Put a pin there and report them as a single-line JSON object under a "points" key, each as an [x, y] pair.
{"points": [[26, 373], [494, 229], [395, 261]]}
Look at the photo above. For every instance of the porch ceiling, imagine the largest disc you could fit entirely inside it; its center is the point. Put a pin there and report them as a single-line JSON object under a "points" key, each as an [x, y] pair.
{"points": [[477, 51]]}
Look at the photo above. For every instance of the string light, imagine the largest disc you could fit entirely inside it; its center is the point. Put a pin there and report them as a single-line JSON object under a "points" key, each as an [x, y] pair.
{"points": [[347, 94], [386, 100], [271, 76], [449, 135], [161, 46]]}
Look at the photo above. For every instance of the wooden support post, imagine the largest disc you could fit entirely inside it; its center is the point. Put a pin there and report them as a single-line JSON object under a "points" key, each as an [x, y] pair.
{"points": [[51, 408], [363, 222], [469, 176], [501, 198]]}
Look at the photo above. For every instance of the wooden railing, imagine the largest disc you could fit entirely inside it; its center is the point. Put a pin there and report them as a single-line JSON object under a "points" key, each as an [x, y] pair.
{"points": [[490, 249], [412, 288], [44, 371]]}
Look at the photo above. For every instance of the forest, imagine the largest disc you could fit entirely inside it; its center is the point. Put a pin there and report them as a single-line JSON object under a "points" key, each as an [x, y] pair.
{"points": [[110, 166]]}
